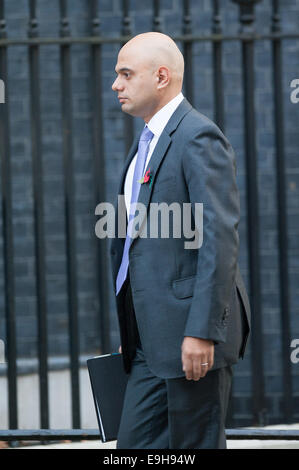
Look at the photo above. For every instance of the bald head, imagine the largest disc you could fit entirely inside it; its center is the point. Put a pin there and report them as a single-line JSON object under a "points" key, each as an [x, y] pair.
{"points": [[150, 71], [157, 50]]}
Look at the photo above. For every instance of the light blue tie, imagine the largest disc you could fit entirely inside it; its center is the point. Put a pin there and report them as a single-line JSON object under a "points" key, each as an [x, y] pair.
{"points": [[143, 148]]}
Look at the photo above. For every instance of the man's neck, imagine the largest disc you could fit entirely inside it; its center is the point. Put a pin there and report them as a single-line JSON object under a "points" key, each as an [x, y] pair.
{"points": [[161, 105]]}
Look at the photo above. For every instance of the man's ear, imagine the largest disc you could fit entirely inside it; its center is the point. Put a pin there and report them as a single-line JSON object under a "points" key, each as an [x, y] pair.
{"points": [[163, 77]]}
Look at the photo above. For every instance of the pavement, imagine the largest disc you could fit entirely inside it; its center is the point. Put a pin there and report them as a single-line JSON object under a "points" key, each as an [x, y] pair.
{"points": [[231, 444]]}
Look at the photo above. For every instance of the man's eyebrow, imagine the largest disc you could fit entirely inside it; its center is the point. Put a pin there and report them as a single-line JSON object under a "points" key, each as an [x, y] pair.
{"points": [[124, 69]]}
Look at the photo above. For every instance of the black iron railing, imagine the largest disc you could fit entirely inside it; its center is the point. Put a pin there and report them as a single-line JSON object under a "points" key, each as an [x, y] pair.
{"points": [[93, 434]]}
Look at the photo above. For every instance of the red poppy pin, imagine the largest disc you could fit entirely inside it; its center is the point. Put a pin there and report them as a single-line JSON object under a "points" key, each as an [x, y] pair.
{"points": [[148, 178]]}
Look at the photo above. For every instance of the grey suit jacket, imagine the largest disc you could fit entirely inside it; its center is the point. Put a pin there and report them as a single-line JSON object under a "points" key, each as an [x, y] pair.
{"points": [[180, 292]]}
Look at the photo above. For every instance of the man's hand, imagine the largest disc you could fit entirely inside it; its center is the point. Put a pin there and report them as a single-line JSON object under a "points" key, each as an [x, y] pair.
{"points": [[197, 357], [119, 350]]}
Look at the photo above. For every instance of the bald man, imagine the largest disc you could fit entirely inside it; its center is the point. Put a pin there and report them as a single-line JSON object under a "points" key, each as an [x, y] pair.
{"points": [[183, 310]]}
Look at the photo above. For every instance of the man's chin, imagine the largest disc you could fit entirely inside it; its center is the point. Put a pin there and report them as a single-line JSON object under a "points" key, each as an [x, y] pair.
{"points": [[125, 107]]}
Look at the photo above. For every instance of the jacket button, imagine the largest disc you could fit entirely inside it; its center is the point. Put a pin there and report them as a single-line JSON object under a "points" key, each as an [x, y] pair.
{"points": [[225, 314]]}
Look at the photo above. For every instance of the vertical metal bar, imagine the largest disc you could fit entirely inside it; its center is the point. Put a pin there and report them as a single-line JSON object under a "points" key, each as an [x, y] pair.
{"points": [[38, 218], [219, 118], [282, 215], [70, 213], [247, 22], [99, 177], [8, 251], [128, 120], [157, 22], [187, 51], [217, 68]]}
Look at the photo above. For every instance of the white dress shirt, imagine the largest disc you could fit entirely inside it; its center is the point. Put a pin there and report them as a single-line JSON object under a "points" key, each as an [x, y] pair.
{"points": [[156, 125]]}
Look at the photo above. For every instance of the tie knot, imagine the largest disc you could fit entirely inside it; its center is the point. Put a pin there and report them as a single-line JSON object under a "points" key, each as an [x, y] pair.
{"points": [[146, 134]]}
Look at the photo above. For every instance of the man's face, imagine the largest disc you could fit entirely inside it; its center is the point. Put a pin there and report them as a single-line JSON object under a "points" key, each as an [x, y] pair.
{"points": [[136, 84]]}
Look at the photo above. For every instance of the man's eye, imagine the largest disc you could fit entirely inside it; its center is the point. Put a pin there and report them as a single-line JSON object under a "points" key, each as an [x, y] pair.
{"points": [[127, 75]]}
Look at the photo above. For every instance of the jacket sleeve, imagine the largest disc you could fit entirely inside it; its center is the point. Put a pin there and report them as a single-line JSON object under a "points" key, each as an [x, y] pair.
{"points": [[210, 172]]}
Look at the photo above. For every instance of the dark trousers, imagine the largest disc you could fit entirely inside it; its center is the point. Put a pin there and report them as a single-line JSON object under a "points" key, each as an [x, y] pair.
{"points": [[172, 413]]}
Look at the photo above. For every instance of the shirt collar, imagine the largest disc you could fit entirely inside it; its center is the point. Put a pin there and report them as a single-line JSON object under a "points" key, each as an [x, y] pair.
{"points": [[159, 120]]}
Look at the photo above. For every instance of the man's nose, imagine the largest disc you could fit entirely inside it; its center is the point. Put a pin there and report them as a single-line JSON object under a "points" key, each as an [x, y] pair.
{"points": [[116, 85]]}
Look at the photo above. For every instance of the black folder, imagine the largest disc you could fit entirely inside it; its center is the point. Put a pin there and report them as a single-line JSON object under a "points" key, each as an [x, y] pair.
{"points": [[108, 383]]}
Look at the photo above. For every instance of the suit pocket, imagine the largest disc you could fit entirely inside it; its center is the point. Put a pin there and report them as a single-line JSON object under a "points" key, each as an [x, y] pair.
{"points": [[183, 288]]}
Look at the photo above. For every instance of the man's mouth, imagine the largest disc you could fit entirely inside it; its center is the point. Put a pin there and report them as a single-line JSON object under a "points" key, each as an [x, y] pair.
{"points": [[121, 98]]}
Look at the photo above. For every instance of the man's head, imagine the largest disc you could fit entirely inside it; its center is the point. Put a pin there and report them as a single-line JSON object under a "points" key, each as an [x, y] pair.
{"points": [[150, 70]]}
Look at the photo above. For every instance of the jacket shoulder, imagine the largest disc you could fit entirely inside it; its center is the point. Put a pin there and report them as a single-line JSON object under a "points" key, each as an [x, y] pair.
{"points": [[195, 123]]}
